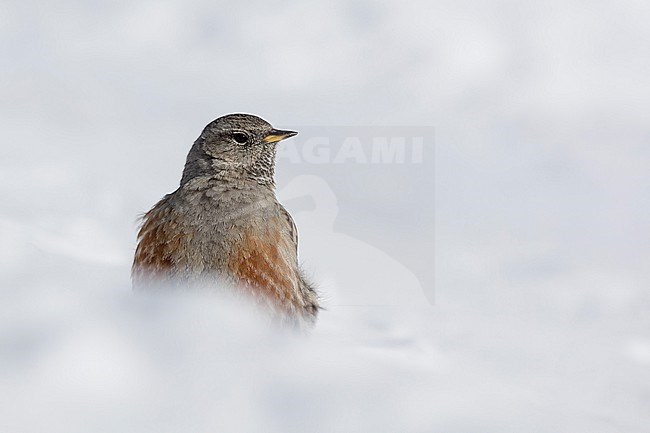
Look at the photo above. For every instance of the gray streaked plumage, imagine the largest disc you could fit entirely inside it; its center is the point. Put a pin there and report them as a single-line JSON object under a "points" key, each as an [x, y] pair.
{"points": [[223, 226]]}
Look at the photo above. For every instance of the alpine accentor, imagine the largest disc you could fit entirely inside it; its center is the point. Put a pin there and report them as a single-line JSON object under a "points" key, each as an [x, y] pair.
{"points": [[223, 226]]}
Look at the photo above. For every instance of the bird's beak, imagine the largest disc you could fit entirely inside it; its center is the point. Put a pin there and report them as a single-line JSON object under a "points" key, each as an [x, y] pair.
{"points": [[276, 135]]}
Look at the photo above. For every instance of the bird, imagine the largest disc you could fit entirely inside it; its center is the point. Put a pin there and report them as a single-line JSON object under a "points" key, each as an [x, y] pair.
{"points": [[224, 226]]}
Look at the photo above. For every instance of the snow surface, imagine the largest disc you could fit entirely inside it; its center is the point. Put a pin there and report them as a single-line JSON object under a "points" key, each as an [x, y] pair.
{"points": [[538, 319]]}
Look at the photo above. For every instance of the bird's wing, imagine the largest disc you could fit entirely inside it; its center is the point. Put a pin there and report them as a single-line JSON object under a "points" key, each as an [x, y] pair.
{"points": [[264, 261], [158, 238], [293, 231]]}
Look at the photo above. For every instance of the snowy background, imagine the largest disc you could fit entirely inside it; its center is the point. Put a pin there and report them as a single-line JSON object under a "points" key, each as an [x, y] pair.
{"points": [[533, 211]]}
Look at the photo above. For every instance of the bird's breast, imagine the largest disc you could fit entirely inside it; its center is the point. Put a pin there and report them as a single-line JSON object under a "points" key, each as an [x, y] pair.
{"points": [[263, 261]]}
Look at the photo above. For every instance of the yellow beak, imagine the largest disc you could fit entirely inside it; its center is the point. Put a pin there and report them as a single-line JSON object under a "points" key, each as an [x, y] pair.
{"points": [[276, 135]]}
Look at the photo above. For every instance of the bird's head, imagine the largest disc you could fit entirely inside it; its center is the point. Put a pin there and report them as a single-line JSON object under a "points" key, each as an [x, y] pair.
{"points": [[241, 146]]}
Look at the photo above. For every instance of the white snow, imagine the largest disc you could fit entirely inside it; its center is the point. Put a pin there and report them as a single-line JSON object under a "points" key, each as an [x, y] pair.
{"points": [[538, 320]]}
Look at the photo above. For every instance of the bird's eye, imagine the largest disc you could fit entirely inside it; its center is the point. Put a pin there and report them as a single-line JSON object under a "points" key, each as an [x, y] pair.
{"points": [[240, 137]]}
